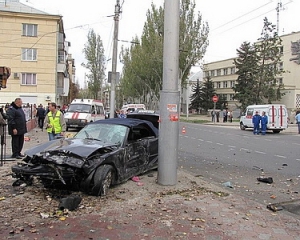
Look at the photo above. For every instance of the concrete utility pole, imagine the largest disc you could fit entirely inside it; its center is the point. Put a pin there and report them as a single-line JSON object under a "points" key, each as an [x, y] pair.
{"points": [[169, 98], [114, 61]]}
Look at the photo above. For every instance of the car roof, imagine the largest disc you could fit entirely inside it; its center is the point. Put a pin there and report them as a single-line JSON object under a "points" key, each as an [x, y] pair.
{"points": [[128, 122]]}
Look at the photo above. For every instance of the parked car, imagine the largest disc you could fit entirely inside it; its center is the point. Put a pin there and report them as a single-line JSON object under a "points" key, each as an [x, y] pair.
{"points": [[103, 153]]}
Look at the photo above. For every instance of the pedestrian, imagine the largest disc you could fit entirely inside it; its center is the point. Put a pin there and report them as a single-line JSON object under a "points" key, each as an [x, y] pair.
{"points": [[224, 115], [55, 122], [16, 127], [218, 116], [229, 116], [297, 118], [256, 121], [213, 115], [122, 114], [40, 114], [264, 122]]}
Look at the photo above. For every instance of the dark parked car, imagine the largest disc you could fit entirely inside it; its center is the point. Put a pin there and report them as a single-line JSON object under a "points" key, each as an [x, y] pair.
{"points": [[103, 153]]}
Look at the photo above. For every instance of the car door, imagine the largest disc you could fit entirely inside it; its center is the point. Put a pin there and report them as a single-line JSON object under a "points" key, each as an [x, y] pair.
{"points": [[135, 158]]}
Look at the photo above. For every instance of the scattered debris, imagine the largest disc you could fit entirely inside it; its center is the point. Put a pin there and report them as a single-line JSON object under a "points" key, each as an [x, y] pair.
{"points": [[274, 207], [273, 196], [265, 179], [135, 179], [284, 164], [227, 184], [70, 203], [258, 168]]}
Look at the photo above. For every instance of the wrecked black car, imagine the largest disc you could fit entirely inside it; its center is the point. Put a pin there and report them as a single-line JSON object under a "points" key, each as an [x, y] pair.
{"points": [[103, 153]]}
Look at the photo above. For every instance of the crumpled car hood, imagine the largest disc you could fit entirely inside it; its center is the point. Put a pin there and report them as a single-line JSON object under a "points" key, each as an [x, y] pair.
{"points": [[80, 147]]}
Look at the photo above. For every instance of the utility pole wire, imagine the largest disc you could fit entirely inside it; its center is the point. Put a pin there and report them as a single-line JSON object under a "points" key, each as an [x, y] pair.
{"points": [[242, 16]]}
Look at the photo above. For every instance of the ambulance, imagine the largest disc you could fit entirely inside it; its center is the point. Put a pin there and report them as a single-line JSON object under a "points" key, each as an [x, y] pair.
{"points": [[133, 107], [277, 116], [83, 111]]}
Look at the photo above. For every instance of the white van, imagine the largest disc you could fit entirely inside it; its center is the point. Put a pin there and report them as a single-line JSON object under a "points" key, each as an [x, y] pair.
{"points": [[277, 116], [82, 112], [134, 107]]}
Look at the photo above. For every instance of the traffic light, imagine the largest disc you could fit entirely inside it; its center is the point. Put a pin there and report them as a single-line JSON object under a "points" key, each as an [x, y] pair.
{"points": [[4, 75]]}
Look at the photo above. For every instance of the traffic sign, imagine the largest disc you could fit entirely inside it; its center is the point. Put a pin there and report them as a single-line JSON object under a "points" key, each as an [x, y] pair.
{"points": [[215, 98]]}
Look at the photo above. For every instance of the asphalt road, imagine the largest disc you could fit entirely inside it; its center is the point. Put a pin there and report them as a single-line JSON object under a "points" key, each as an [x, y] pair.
{"points": [[227, 154]]}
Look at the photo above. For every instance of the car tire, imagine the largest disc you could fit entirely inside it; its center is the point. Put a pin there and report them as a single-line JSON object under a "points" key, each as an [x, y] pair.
{"points": [[242, 127], [102, 180]]}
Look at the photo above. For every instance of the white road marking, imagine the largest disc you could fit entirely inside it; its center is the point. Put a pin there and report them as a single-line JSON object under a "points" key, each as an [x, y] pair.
{"points": [[232, 146], [296, 144], [200, 139], [209, 141], [269, 140], [244, 149], [279, 156], [193, 138], [221, 144], [297, 159], [260, 152]]}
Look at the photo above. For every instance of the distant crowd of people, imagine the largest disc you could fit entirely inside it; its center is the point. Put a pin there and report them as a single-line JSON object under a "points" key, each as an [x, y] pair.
{"points": [[226, 114], [16, 115]]}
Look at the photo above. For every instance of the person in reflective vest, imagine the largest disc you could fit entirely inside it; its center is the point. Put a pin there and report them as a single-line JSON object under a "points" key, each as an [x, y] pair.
{"points": [[264, 122], [256, 121], [55, 122]]}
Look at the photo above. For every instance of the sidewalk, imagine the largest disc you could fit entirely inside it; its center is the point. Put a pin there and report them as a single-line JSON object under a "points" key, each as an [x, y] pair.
{"points": [[292, 128], [193, 209]]}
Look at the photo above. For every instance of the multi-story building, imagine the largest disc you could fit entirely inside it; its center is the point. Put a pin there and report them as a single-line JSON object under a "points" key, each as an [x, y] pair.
{"points": [[33, 45], [223, 74]]}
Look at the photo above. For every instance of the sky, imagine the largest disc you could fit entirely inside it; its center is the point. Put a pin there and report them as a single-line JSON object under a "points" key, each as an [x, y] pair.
{"points": [[231, 22]]}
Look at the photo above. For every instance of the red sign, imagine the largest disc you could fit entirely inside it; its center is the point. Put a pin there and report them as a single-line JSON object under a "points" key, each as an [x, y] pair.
{"points": [[215, 98]]}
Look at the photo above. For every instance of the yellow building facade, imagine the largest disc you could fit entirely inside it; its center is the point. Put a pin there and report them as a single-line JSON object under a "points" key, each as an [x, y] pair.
{"points": [[32, 44], [223, 74]]}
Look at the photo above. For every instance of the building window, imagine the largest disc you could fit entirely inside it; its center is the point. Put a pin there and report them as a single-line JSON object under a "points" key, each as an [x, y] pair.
{"points": [[29, 30], [225, 84], [225, 71], [219, 72], [232, 70], [218, 84], [61, 57], [206, 74], [29, 54], [279, 81], [212, 73], [281, 49], [281, 66], [231, 97], [232, 84], [28, 79]]}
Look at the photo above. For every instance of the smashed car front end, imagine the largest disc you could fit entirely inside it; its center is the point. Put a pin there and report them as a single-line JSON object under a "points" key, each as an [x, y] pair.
{"points": [[52, 167]]}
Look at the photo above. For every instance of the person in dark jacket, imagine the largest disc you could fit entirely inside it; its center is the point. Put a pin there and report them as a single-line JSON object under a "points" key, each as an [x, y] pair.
{"points": [[256, 121], [16, 127], [41, 114], [264, 122]]}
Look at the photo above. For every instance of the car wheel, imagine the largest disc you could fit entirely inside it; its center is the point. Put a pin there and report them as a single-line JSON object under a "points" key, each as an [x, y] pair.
{"points": [[102, 180], [276, 131], [242, 127]]}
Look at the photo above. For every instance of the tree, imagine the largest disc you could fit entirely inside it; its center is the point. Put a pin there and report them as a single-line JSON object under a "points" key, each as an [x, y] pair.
{"points": [[270, 52], [143, 64], [247, 69], [94, 54], [202, 95], [259, 66]]}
